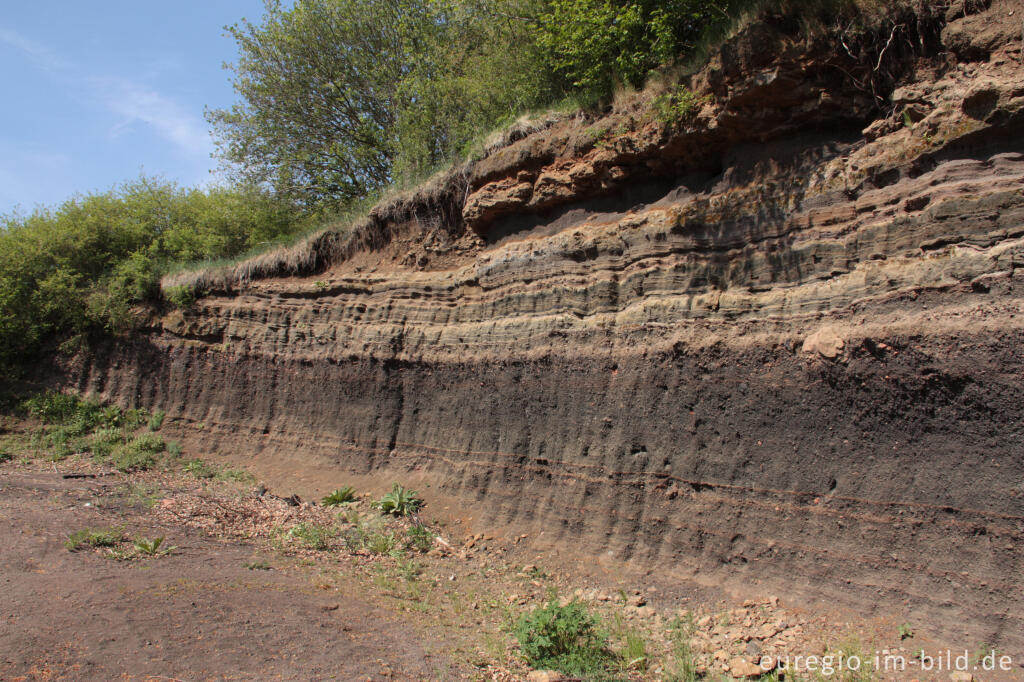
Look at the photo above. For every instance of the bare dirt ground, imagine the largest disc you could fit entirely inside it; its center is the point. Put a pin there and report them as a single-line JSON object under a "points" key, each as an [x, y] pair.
{"points": [[256, 586], [198, 613]]}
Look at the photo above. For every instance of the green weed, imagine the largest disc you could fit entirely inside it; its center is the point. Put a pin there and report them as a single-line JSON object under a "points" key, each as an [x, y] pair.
{"points": [[399, 502], [156, 420], [421, 538], [152, 547], [565, 638], [339, 496], [88, 537], [313, 536]]}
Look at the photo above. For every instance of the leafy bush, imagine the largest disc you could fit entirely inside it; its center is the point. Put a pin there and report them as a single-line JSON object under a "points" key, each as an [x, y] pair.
{"points": [[104, 440], [339, 496], [77, 270], [180, 296], [564, 638], [595, 44], [399, 502], [52, 407]]}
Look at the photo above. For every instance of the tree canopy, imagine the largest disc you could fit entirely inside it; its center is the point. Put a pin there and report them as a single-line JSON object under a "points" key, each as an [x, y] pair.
{"points": [[342, 97]]}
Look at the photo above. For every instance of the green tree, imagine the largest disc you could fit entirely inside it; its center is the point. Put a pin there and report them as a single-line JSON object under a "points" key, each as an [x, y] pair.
{"points": [[596, 44], [338, 97], [318, 85]]}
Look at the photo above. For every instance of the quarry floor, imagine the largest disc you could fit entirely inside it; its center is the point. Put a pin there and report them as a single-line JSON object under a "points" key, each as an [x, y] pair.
{"points": [[239, 597]]}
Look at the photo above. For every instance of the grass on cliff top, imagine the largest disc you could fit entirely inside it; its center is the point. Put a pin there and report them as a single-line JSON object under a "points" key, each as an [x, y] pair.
{"points": [[665, 93]]}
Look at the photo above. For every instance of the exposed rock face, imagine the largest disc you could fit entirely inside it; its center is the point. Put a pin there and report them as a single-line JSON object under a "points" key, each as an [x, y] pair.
{"points": [[781, 342]]}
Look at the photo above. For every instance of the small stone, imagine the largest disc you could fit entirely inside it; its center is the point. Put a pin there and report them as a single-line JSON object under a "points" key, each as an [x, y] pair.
{"points": [[544, 676], [742, 668], [637, 600], [961, 676], [825, 342]]}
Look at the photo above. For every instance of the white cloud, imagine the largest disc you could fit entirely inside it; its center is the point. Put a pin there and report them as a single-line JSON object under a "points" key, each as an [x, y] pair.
{"points": [[132, 101], [136, 103], [42, 55]]}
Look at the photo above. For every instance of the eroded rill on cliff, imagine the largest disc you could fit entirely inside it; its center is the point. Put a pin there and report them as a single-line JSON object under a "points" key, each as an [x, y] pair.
{"points": [[780, 342]]}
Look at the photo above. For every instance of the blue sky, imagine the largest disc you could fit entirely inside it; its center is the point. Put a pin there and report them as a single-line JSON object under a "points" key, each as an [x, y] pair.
{"points": [[95, 93]]}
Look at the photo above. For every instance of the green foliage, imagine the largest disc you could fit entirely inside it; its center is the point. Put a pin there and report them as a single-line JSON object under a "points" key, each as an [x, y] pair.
{"points": [[78, 270], [682, 663], [258, 566], [104, 440], [138, 454], [180, 296], [399, 502], [564, 638], [339, 496], [634, 651], [157, 420], [174, 449], [205, 470], [380, 543], [675, 107], [88, 537], [596, 44], [5, 456], [52, 407], [199, 469], [152, 547], [313, 536], [341, 97], [905, 631], [421, 538]]}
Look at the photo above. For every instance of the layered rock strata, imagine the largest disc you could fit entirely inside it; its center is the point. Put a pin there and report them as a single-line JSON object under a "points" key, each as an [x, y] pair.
{"points": [[775, 344]]}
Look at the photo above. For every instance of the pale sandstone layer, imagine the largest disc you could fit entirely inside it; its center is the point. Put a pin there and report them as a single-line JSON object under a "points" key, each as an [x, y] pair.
{"points": [[778, 346]]}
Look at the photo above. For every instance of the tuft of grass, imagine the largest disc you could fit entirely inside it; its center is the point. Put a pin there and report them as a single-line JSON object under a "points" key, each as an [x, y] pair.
{"points": [[634, 651], [380, 543], [338, 497], [682, 664], [156, 420], [88, 537], [313, 536], [421, 538], [139, 454], [399, 502], [676, 106], [143, 495], [199, 469], [258, 566]]}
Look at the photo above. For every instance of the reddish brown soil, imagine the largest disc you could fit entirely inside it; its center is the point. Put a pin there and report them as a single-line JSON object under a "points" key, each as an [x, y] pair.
{"points": [[196, 614]]}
